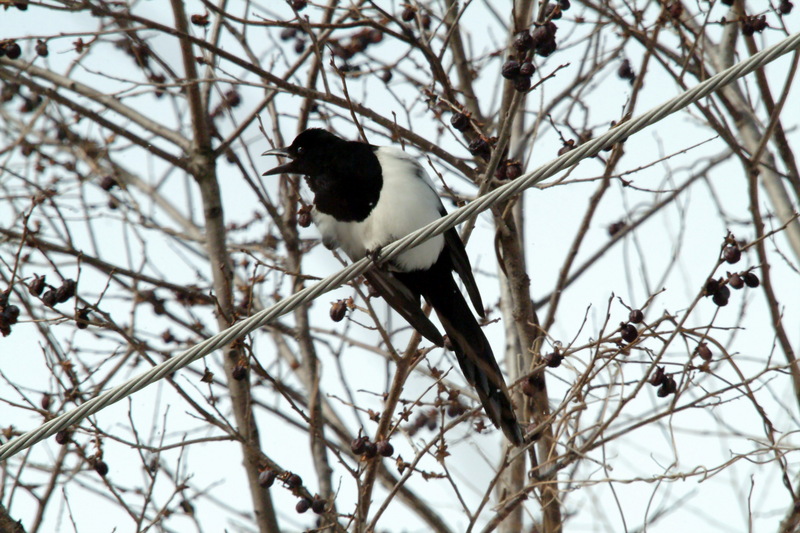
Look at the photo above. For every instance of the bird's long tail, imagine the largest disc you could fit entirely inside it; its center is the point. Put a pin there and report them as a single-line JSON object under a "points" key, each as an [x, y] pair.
{"points": [[473, 351]]}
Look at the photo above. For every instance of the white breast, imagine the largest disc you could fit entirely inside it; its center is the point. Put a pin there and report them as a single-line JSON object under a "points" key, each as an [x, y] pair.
{"points": [[407, 203]]}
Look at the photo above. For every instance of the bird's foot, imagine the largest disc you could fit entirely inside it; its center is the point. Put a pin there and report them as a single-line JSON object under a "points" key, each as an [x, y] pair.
{"points": [[374, 254]]}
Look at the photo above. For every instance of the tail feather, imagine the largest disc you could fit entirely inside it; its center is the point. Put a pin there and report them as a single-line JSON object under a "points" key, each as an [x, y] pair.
{"points": [[472, 348]]}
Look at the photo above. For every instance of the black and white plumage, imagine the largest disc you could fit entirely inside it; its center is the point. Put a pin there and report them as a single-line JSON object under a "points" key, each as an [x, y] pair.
{"points": [[366, 197]]}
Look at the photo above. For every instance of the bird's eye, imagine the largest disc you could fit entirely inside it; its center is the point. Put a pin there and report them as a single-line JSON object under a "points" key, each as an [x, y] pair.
{"points": [[300, 150]]}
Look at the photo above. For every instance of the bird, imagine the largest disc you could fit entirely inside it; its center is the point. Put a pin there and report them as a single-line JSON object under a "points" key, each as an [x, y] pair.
{"points": [[367, 196]]}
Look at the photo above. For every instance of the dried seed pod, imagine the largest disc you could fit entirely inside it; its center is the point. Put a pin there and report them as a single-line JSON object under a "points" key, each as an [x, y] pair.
{"points": [[523, 42], [522, 84], [239, 371], [553, 359], [636, 316], [266, 478], [785, 7], [480, 147], [384, 448], [293, 481], [408, 14], [287, 33], [62, 437], [712, 287], [303, 505], [357, 446], [552, 12], [318, 505], [199, 20], [527, 69], [629, 332], [66, 291], [12, 50], [513, 170], [735, 280], [732, 254], [10, 314], [41, 48], [459, 121], [49, 298], [101, 467], [510, 69], [703, 351], [751, 280], [82, 318], [370, 449], [46, 401], [657, 377], [108, 182], [625, 71], [338, 310]]}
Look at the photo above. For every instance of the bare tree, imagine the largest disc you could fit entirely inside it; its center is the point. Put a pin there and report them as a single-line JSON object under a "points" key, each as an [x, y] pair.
{"points": [[644, 301]]}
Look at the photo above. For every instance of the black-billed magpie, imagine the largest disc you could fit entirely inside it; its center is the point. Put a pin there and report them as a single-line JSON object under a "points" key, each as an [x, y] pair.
{"points": [[368, 196]]}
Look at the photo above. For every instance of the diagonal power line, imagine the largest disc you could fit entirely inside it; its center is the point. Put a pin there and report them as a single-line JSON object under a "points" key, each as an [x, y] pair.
{"points": [[589, 149]]}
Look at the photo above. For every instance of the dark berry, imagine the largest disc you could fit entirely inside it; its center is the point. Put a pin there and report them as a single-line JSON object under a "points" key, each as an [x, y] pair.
{"points": [[408, 14], [46, 401], [288, 33], [546, 47], [727, 2], [543, 33], [304, 216], [266, 478], [41, 48], [101, 468], [108, 182], [357, 446], [657, 377], [720, 300], [636, 316], [22, 5], [293, 481], [66, 291], [785, 7], [736, 281], [522, 83], [552, 12], [36, 285], [629, 332], [82, 318], [370, 449], [299, 5], [62, 437], [712, 287], [11, 314], [510, 69], [13, 51], [479, 147], [303, 505], [523, 42], [239, 371], [616, 227], [49, 298], [199, 20], [318, 505], [751, 280], [338, 310], [625, 71], [459, 121], [527, 69], [384, 448], [667, 387], [386, 75], [732, 254], [564, 4], [553, 359], [513, 170], [703, 351]]}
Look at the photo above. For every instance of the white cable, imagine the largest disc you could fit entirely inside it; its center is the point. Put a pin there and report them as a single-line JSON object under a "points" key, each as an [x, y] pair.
{"points": [[391, 250]]}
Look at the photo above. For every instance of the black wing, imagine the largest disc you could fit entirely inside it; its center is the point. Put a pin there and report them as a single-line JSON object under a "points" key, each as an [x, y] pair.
{"points": [[460, 260], [404, 302]]}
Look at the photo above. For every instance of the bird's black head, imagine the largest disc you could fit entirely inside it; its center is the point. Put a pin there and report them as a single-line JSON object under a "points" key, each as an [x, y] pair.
{"points": [[310, 153]]}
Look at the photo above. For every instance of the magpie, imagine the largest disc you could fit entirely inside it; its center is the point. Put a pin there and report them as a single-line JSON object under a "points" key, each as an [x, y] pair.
{"points": [[367, 196]]}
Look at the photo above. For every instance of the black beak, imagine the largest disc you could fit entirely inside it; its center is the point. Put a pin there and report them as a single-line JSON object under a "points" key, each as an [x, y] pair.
{"points": [[286, 168]]}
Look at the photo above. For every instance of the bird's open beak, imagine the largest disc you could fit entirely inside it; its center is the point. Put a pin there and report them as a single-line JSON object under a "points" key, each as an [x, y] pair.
{"points": [[286, 168]]}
